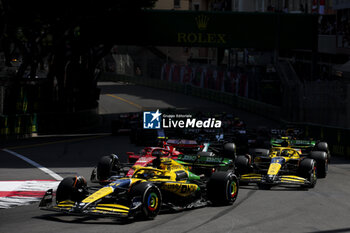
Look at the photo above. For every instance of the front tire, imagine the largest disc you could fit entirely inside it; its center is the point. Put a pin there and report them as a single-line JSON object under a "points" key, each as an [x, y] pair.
{"points": [[321, 161], [107, 166], [104, 168], [307, 170], [150, 197], [71, 188]]}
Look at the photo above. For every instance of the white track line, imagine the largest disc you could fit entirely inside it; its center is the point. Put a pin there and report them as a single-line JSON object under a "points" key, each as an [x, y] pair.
{"points": [[35, 164]]}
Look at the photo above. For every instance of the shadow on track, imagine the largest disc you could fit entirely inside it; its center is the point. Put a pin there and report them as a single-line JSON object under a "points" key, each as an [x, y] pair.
{"points": [[223, 212], [340, 230], [96, 220], [279, 188], [59, 217]]}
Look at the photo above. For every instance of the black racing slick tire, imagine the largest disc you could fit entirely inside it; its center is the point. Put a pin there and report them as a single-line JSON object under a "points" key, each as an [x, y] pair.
{"points": [[71, 188], [230, 150], [242, 164], [104, 167], [222, 188], [259, 152], [323, 146], [150, 197], [307, 170], [321, 161]]}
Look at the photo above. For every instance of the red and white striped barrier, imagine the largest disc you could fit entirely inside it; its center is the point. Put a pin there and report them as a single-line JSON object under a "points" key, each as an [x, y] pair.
{"points": [[16, 193]]}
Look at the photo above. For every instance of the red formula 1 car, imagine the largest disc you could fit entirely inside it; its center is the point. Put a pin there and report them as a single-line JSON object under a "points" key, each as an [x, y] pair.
{"points": [[148, 154], [185, 146], [109, 165]]}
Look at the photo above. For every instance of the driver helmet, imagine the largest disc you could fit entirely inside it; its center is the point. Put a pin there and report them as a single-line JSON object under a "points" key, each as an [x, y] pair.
{"points": [[285, 143], [148, 174], [285, 153]]}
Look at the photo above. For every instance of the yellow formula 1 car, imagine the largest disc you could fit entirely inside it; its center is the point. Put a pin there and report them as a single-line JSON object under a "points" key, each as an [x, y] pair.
{"points": [[278, 166], [144, 194]]}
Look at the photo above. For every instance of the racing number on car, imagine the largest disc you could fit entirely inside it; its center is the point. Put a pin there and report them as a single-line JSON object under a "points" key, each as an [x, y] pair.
{"points": [[114, 184]]}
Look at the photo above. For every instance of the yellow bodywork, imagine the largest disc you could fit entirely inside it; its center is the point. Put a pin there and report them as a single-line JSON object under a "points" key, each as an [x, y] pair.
{"points": [[98, 194], [168, 167], [64, 205], [167, 175], [285, 152], [274, 169], [279, 156]]}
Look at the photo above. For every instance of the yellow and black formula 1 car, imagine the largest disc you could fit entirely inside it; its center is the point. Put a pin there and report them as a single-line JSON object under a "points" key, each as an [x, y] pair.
{"points": [[144, 194], [278, 166]]}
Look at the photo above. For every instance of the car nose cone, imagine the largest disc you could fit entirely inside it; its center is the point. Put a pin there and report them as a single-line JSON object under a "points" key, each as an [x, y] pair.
{"points": [[270, 178]]}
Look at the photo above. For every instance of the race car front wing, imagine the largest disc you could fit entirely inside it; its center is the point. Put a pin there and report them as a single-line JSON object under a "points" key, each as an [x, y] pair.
{"points": [[265, 179], [73, 208]]}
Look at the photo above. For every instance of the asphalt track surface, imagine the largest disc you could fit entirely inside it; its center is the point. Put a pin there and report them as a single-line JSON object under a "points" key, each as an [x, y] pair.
{"points": [[326, 208]]}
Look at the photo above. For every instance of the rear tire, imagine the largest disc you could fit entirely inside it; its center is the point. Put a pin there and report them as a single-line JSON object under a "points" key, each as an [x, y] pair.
{"points": [[230, 150], [259, 152], [242, 164], [222, 188], [323, 146]]}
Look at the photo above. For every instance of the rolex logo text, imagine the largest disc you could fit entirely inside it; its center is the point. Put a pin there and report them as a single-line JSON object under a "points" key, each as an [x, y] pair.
{"points": [[201, 37]]}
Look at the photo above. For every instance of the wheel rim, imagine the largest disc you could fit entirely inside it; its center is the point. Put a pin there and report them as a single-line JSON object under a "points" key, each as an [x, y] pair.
{"points": [[313, 175], [152, 201], [232, 191]]}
